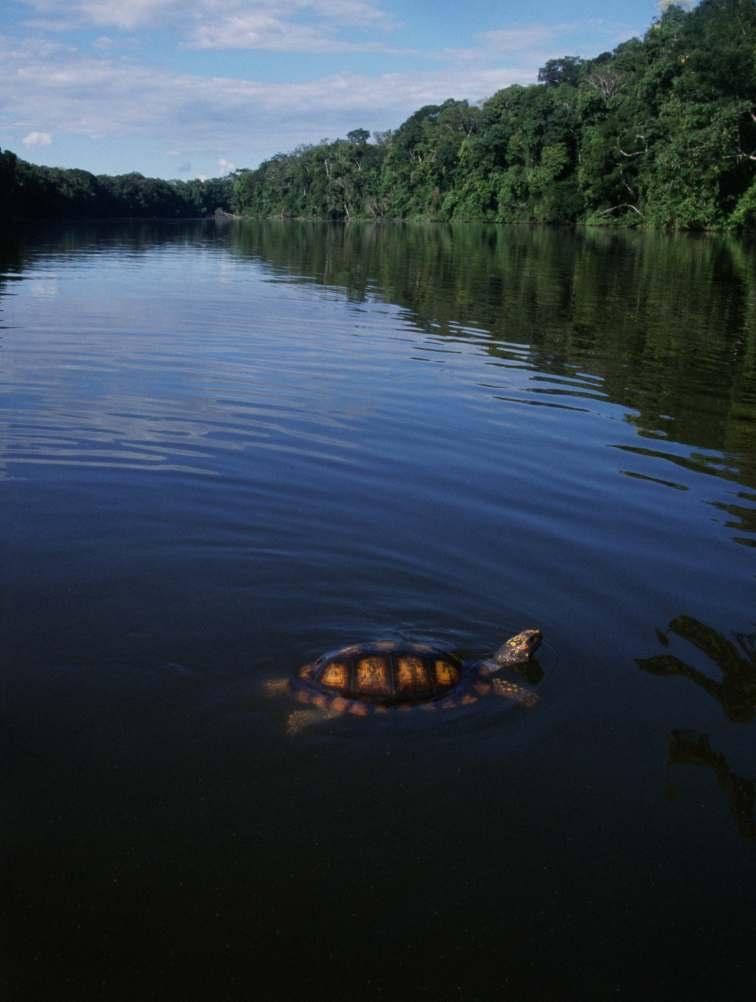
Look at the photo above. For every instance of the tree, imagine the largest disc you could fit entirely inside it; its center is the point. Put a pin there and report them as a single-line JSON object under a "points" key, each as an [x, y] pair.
{"points": [[659, 131], [566, 70]]}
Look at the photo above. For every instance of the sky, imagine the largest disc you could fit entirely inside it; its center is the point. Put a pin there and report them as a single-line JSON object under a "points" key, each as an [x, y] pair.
{"points": [[198, 88]]}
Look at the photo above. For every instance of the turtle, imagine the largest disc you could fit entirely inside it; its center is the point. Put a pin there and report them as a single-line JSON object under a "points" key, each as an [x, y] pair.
{"points": [[367, 678]]}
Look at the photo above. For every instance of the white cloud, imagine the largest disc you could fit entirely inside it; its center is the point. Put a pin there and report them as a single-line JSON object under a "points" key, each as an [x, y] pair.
{"points": [[525, 37], [225, 166], [125, 14], [212, 118], [264, 30], [37, 139], [220, 23], [98, 96], [536, 43], [51, 88]]}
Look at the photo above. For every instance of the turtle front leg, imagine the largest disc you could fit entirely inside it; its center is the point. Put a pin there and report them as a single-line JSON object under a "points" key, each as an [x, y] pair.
{"points": [[488, 683], [514, 692]]}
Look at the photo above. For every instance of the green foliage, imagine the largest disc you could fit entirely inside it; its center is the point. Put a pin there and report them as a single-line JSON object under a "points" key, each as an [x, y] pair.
{"points": [[744, 214], [28, 192], [660, 132], [560, 71]]}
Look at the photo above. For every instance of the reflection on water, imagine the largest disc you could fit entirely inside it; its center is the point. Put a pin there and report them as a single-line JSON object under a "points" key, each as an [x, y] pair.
{"points": [[225, 451], [736, 693], [664, 327], [736, 689], [692, 748]]}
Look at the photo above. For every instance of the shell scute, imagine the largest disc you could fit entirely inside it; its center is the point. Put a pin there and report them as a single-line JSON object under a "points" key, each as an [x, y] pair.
{"points": [[335, 675], [385, 672], [412, 677], [373, 676]]}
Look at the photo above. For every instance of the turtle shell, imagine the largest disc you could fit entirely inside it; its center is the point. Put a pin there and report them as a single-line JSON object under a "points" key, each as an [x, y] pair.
{"points": [[385, 673]]}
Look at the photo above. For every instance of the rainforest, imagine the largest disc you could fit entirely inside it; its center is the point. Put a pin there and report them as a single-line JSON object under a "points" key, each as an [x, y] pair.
{"points": [[660, 132]]}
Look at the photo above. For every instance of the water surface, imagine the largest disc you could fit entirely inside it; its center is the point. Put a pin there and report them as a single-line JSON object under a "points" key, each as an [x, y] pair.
{"points": [[224, 450]]}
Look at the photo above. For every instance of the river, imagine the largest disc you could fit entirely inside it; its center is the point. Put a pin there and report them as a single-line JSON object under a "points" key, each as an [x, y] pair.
{"points": [[226, 449]]}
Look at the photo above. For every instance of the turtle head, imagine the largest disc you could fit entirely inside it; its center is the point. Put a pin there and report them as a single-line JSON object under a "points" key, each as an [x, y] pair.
{"points": [[519, 648]]}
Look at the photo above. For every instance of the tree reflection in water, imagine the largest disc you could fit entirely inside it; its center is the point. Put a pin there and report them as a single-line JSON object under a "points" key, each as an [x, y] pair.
{"points": [[735, 691], [693, 748]]}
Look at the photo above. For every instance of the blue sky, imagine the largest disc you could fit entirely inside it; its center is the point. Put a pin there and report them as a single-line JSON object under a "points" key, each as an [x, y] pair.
{"points": [[195, 88]]}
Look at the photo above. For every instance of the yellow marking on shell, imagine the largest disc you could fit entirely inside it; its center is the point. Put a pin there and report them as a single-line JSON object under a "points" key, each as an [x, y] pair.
{"points": [[422, 648], [482, 688], [468, 699], [386, 645], [303, 697], [335, 676], [339, 704], [306, 671], [346, 651], [446, 673], [358, 710], [411, 675], [405, 707], [517, 693], [320, 700], [373, 676], [276, 686]]}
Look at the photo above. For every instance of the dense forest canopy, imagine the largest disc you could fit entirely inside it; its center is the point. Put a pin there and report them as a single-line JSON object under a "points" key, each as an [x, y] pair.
{"points": [[659, 132], [28, 192]]}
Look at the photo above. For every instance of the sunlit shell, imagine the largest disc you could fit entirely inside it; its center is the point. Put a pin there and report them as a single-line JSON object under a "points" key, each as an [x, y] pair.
{"points": [[446, 673], [411, 676], [384, 672], [373, 676], [336, 675]]}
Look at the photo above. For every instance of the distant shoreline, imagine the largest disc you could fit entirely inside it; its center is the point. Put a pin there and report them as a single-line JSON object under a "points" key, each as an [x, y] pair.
{"points": [[223, 218]]}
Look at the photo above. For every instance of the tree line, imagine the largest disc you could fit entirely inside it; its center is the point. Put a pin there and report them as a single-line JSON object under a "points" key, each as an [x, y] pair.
{"points": [[659, 132], [29, 192]]}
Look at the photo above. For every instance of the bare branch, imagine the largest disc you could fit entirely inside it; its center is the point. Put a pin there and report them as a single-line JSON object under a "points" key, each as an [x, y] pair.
{"points": [[624, 205]]}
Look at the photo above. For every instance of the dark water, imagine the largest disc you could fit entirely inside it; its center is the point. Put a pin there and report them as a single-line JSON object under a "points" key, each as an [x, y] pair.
{"points": [[223, 451]]}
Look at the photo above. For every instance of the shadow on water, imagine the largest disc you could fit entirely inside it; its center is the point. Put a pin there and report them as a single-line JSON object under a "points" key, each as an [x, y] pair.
{"points": [[735, 691]]}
